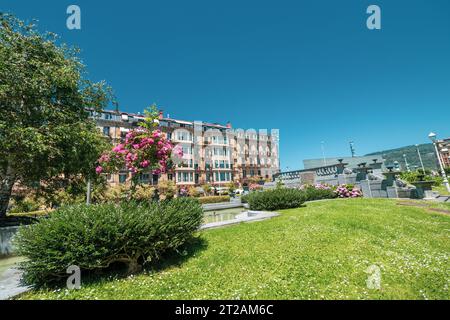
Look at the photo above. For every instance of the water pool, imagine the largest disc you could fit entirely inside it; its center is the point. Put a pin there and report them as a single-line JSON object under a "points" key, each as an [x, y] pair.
{"points": [[222, 215]]}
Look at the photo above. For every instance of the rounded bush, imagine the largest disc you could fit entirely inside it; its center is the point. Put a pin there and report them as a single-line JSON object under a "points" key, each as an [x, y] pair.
{"points": [[276, 199], [318, 193], [94, 237]]}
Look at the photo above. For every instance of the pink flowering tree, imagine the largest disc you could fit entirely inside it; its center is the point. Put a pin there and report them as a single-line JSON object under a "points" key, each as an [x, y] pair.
{"points": [[145, 149]]}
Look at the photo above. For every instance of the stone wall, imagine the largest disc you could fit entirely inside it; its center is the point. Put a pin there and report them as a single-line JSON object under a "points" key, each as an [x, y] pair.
{"points": [[6, 235]]}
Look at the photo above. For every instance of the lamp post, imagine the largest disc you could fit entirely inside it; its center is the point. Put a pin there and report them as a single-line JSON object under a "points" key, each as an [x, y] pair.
{"points": [[432, 137], [420, 158], [322, 145], [406, 163]]}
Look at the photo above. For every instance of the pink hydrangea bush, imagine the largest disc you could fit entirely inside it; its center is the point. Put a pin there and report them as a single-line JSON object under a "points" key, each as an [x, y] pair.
{"points": [[143, 150], [348, 191], [318, 186]]}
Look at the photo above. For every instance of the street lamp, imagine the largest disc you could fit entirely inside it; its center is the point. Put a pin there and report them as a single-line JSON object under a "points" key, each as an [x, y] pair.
{"points": [[432, 137], [420, 158], [406, 163], [322, 145]]}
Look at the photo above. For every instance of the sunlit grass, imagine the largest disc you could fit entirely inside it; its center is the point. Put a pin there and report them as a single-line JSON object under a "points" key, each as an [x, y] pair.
{"points": [[442, 190], [321, 251]]}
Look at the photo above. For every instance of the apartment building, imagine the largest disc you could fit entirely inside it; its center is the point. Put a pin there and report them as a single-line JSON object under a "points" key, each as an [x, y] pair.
{"points": [[443, 148], [213, 153]]}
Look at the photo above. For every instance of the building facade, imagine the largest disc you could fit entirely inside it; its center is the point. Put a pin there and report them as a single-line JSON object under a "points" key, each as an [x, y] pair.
{"points": [[444, 154], [213, 153]]}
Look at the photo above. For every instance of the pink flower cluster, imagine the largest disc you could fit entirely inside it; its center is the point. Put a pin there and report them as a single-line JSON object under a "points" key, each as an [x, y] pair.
{"points": [[255, 186], [318, 186], [184, 191], [346, 191], [142, 150]]}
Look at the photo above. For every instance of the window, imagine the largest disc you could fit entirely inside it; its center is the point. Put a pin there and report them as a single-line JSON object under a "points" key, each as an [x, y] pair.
{"points": [[187, 150], [122, 178], [185, 177], [106, 131], [145, 178], [184, 136]]}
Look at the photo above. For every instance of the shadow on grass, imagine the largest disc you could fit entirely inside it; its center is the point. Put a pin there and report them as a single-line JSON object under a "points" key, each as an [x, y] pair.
{"points": [[175, 258]]}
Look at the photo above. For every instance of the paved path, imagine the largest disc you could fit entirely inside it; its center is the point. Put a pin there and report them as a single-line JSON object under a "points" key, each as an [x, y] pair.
{"points": [[10, 285], [442, 199], [247, 216]]}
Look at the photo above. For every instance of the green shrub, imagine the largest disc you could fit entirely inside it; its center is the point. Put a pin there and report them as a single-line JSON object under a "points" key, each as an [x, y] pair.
{"points": [[415, 176], [214, 199], [26, 204], [207, 188], [114, 194], [244, 198], [38, 213], [194, 192], [97, 236], [167, 189], [276, 199], [144, 193], [312, 193]]}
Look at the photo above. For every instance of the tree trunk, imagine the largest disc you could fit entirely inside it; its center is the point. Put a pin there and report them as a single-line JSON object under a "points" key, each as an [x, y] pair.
{"points": [[133, 267], [6, 184]]}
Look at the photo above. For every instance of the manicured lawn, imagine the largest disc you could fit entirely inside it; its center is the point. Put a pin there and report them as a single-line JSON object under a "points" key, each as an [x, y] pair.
{"points": [[321, 251]]}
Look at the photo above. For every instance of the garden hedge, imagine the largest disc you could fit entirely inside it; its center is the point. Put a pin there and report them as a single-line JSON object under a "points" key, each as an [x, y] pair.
{"points": [[214, 199], [276, 199], [97, 236]]}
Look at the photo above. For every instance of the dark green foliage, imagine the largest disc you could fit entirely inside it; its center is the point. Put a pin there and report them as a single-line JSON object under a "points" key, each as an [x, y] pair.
{"points": [[45, 132], [312, 193], [214, 199], [276, 199], [426, 151], [95, 237], [415, 176]]}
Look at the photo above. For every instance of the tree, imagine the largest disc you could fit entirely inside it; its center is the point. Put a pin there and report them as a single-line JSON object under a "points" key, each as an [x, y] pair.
{"points": [[45, 130], [145, 149]]}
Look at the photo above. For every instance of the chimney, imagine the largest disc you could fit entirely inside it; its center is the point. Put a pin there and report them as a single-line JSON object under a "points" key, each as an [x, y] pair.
{"points": [[160, 114], [228, 125]]}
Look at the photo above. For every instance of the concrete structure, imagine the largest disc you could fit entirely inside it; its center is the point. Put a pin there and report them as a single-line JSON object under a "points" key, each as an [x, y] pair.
{"points": [[351, 162], [6, 234], [444, 151], [374, 179], [213, 153]]}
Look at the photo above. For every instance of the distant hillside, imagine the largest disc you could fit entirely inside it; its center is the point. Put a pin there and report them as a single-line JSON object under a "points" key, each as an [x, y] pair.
{"points": [[426, 151]]}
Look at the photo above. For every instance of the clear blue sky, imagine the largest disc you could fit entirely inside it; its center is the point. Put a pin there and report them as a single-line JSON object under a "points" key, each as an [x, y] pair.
{"points": [[309, 68]]}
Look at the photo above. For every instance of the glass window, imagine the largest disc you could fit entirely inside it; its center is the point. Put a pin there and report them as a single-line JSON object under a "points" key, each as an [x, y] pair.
{"points": [[122, 178]]}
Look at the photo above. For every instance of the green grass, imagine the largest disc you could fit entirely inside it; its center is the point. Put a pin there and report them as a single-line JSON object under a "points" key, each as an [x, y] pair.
{"points": [[442, 190], [8, 262], [321, 251]]}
